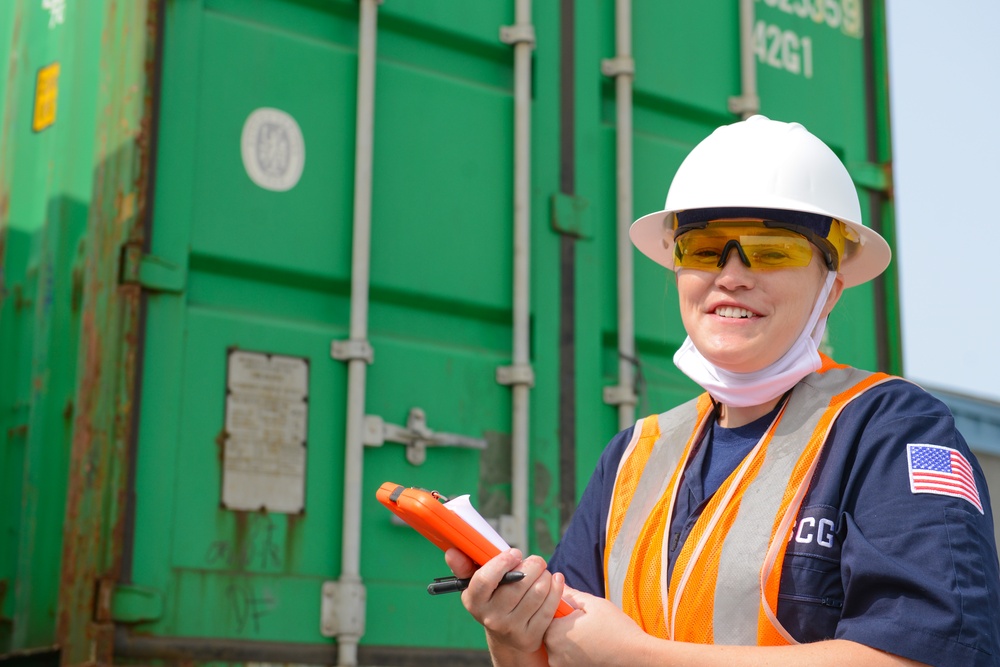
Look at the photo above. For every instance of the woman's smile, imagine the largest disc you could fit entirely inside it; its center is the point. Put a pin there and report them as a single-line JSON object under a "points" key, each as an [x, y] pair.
{"points": [[742, 319]]}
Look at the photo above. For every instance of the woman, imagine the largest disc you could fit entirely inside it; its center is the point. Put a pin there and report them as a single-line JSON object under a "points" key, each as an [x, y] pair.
{"points": [[800, 512]]}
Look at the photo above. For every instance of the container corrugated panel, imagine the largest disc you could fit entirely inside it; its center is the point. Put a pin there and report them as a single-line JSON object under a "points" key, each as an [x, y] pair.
{"points": [[46, 147], [219, 504]]}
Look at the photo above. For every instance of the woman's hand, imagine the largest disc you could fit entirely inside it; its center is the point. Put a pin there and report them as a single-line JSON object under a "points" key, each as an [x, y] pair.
{"points": [[598, 633], [515, 615]]}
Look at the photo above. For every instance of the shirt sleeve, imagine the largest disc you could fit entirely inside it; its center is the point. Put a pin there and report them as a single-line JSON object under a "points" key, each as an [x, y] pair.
{"points": [[919, 567], [579, 556]]}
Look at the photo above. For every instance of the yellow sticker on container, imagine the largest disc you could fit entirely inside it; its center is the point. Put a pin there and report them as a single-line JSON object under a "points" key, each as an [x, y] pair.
{"points": [[46, 93]]}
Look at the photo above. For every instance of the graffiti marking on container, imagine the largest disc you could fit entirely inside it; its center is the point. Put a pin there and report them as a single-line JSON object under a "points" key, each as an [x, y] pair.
{"points": [[56, 10], [235, 555], [273, 150], [248, 607]]}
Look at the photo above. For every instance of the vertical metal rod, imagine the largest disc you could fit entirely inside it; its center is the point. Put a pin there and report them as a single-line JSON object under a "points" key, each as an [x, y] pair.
{"points": [[748, 103], [350, 575], [624, 178], [522, 276]]}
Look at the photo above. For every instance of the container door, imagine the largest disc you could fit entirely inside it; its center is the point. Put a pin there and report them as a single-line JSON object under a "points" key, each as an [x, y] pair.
{"points": [[240, 465]]}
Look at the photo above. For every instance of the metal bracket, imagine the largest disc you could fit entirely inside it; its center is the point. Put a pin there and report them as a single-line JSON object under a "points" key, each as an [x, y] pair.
{"points": [[871, 176], [570, 216], [342, 608], [744, 105], [150, 272], [619, 395], [415, 435], [617, 66], [349, 350], [135, 604], [518, 34], [516, 374]]}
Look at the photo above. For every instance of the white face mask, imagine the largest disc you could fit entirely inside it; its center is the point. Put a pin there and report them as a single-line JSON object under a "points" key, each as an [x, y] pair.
{"points": [[743, 390]]}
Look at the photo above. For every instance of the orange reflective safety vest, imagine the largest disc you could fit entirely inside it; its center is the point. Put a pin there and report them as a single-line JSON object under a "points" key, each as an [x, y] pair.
{"points": [[724, 586]]}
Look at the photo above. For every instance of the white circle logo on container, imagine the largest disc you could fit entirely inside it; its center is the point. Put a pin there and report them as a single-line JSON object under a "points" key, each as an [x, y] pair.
{"points": [[273, 150]]}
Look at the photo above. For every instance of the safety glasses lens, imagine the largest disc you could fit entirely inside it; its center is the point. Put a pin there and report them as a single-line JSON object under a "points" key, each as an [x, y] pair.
{"points": [[764, 248]]}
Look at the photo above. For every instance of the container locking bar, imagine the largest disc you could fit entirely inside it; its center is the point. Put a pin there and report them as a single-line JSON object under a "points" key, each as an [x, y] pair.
{"points": [[415, 435]]}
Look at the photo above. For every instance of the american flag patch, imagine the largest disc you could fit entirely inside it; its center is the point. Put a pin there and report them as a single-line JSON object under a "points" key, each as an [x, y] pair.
{"points": [[942, 470]]}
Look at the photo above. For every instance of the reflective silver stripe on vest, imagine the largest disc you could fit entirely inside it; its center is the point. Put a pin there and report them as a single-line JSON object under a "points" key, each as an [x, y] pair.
{"points": [[676, 427], [737, 589]]}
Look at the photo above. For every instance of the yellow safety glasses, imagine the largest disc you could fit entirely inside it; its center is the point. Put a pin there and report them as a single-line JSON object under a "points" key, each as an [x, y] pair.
{"points": [[758, 246]]}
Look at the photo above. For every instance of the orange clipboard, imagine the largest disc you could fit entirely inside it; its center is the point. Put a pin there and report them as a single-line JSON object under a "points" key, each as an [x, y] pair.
{"points": [[424, 512]]}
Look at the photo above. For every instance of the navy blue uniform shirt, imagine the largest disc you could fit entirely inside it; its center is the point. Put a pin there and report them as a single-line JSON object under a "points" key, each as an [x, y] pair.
{"points": [[913, 574]]}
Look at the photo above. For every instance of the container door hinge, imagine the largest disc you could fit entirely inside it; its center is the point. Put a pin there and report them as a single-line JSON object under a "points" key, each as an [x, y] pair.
{"points": [[128, 603], [149, 271], [570, 217], [415, 435], [872, 176], [342, 608]]}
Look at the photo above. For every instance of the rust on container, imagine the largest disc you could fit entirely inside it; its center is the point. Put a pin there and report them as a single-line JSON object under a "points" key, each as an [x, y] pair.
{"points": [[220, 446], [890, 188], [103, 415], [3, 247]]}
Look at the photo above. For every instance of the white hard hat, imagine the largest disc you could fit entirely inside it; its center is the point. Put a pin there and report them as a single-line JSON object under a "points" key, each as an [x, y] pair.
{"points": [[764, 164]]}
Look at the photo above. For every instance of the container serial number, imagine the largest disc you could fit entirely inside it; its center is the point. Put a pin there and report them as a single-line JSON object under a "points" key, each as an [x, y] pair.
{"points": [[843, 15], [783, 49]]}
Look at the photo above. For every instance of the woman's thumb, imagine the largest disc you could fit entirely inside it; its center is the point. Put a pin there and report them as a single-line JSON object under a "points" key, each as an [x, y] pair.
{"points": [[576, 599]]}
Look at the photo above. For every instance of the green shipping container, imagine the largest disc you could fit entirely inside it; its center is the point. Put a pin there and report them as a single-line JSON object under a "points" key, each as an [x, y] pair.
{"points": [[224, 321]]}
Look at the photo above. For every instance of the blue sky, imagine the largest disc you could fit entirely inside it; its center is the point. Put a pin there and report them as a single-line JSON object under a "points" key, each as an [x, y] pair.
{"points": [[945, 101]]}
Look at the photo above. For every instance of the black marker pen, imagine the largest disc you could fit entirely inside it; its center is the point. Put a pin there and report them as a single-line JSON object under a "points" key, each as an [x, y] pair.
{"points": [[453, 584]]}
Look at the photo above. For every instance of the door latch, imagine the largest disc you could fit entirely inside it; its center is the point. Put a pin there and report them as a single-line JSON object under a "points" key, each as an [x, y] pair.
{"points": [[415, 435]]}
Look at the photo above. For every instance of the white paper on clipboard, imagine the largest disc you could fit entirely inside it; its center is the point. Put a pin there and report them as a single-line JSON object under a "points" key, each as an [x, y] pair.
{"points": [[462, 506]]}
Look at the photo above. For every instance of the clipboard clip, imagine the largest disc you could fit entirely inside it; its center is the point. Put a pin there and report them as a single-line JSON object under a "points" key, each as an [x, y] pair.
{"points": [[398, 491]]}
